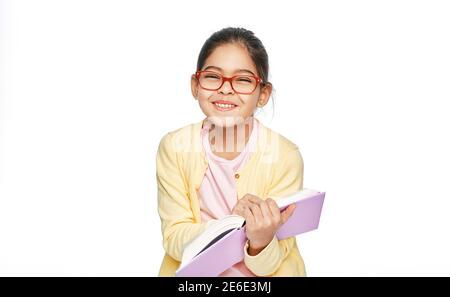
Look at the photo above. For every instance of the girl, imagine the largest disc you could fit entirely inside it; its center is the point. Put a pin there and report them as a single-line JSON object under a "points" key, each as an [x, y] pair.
{"points": [[229, 163]]}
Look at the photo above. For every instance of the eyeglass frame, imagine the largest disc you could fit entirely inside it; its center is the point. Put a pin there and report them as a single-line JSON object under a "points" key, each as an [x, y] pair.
{"points": [[230, 79]]}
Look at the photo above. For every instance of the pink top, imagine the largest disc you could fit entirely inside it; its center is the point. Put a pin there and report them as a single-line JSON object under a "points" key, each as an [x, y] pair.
{"points": [[218, 193]]}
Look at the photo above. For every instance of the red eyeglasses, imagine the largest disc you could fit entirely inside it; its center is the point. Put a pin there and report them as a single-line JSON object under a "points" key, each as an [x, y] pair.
{"points": [[241, 84]]}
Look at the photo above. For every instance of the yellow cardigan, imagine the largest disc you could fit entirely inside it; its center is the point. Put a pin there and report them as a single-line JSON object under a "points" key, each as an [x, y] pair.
{"points": [[274, 169]]}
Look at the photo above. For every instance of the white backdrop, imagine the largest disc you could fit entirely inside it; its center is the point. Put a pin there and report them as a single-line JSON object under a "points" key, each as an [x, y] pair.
{"points": [[88, 88]]}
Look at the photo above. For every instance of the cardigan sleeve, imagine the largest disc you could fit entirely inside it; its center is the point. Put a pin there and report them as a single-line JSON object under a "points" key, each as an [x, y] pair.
{"points": [[288, 178], [177, 219]]}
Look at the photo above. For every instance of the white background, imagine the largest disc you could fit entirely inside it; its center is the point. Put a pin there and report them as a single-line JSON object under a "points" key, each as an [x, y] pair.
{"points": [[88, 88]]}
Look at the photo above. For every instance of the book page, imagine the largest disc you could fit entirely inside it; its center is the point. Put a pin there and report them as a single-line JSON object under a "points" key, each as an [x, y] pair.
{"points": [[292, 198]]}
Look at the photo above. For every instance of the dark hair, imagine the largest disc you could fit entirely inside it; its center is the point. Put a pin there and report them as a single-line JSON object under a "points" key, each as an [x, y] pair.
{"points": [[241, 36]]}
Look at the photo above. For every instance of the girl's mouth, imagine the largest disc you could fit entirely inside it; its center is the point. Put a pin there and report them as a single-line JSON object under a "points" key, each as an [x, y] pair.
{"points": [[224, 106]]}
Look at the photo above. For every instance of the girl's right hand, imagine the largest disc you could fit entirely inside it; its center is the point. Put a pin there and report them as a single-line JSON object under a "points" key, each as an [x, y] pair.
{"points": [[245, 203]]}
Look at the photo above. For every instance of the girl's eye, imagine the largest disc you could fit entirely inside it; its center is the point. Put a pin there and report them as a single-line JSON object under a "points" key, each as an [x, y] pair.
{"points": [[244, 79], [212, 76]]}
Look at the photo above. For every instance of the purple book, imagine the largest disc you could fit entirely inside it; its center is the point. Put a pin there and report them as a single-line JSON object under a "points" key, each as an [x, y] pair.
{"points": [[221, 245]]}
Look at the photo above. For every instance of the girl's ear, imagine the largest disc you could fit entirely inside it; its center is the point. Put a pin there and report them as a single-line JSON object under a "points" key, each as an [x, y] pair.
{"points": [[266, 91], [194, 87]]}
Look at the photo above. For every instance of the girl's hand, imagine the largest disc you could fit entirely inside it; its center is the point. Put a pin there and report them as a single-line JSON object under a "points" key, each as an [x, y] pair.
{"points": [[245, 202], [262, 222]]}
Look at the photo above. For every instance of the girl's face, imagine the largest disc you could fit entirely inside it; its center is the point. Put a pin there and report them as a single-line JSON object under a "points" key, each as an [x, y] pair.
{"points": [[229, 60]]}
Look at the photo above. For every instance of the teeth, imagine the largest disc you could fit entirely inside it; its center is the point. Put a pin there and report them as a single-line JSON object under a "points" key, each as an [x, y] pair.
{"points": [[224, 105]]}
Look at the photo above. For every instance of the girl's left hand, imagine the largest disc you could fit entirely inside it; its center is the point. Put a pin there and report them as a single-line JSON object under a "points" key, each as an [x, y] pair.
{"points": [[263, 218]]}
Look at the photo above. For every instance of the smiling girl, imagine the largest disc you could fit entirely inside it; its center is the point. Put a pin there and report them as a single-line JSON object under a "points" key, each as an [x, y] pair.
{"points": [[229, 162]]}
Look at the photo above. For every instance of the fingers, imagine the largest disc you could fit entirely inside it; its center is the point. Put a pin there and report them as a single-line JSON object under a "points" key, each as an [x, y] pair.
{"points": [[262, 210], [239, 208], [256, 211], [249, 219], [287, 213], [252, 198], [245, 202], [274, 209], [265, 210]]}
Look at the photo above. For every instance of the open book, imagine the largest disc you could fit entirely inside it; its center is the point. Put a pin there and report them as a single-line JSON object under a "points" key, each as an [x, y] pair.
{"points": [[221, 244]]}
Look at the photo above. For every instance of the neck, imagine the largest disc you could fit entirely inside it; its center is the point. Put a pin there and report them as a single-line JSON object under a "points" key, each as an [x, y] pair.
{"points": [[230, 139]]}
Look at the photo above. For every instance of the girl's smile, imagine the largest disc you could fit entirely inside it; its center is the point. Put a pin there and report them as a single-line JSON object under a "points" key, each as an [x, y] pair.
{"points": [[224, 106]]}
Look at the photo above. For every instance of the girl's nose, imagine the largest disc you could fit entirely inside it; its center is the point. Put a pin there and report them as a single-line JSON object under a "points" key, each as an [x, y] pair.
{"points": [[226, 88]]}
